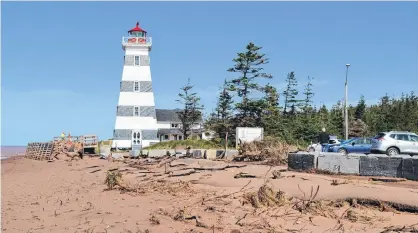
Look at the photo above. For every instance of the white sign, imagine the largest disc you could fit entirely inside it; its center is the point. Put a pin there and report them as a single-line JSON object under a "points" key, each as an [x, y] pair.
{"points": [[248, 134]]}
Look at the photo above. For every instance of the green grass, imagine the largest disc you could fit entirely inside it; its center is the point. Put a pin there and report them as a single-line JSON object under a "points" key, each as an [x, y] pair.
{"points": [[197, 144]]}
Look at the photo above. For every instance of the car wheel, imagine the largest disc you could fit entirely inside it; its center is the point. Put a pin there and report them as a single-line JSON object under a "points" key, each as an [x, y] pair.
{"points": [[392, 151], [342, 151]]}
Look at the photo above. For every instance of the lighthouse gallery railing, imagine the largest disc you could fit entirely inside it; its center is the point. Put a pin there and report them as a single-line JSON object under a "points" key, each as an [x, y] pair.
{"points": [[137, 40]]}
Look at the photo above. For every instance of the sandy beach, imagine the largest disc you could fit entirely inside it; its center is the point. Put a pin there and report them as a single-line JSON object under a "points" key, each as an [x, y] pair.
{"points": [[63, 196]]}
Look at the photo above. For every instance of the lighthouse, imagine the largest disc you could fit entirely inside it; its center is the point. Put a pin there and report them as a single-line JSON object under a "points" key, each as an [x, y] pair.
{"points": [[136, 123]]}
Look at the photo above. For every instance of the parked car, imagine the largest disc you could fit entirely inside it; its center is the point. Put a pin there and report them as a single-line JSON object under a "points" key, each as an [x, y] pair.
{"points": [[395, 142], [352, 145], [318, 147]]}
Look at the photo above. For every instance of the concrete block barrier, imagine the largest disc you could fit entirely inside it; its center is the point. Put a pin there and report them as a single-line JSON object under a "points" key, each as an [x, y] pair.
{"points": [[410, 168], [220, 154], [337, 163], [380, 166], [180, 151], [135, 153], [210, 154], [157, 153], [230, 154], [301, 161], [120, 155], [197, 153]]}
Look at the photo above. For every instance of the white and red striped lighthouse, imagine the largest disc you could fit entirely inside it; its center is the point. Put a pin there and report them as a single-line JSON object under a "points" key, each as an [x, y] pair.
{"points": [[136, 123]]}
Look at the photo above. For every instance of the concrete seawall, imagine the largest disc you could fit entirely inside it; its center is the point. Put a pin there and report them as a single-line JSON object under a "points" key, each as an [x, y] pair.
{"points": [[356, 164], [337, 163]]}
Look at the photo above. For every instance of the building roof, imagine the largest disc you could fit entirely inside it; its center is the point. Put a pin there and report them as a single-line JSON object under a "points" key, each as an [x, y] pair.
{"points": [[170, 131], [137, 29], [169, 115], [178, 131]]}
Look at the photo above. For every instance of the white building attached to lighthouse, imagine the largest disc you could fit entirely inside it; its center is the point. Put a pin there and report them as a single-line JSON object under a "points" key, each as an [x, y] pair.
{"points": [[136, 123]]}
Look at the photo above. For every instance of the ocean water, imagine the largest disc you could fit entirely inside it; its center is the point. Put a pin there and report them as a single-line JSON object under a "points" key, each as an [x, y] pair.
{"points": [[10, 151]]}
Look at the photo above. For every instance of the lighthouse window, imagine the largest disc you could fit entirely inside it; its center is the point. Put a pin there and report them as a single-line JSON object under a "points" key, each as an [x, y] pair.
{"points": [[136, 111], [137, 60], [136, 86]]}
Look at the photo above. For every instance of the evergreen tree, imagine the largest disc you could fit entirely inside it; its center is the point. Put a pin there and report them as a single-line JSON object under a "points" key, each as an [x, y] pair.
{"points": [[248, 65], [308, 96], [308, 123], [220, 120], [323, 116], [289, 123], [360, 109], [271, 115], [336, 126], [291, 92], [191, 112]]}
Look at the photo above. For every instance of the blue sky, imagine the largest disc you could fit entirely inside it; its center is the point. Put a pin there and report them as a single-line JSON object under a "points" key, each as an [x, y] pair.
{"points": [[62, 61]]}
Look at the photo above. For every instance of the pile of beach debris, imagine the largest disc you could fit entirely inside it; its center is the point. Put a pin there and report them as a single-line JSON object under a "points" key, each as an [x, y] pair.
{"points": [[66, 149]]}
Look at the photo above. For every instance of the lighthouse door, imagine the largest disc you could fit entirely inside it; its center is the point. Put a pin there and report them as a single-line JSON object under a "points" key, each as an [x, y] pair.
{"points": [[136, 139]]}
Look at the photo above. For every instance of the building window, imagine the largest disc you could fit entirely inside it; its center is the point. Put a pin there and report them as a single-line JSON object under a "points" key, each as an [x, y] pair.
{"points": [[174, 125], [136, 86], [180, 137], [137, 60], [136, 111], [165, 137]]}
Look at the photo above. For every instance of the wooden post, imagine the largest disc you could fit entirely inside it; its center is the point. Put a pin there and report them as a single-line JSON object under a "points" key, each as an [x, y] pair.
{"points": [[226, 142]]}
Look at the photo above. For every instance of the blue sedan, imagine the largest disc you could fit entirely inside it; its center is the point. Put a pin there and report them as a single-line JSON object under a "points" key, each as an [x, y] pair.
{"points": [[353, 145]]}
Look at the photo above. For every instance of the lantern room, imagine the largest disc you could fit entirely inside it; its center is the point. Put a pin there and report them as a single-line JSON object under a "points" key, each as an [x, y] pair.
{"points": [[137, 31]]}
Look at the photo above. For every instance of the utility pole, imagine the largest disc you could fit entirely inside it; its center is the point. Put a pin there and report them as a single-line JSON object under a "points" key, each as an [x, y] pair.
{"points": [[346, 103]]}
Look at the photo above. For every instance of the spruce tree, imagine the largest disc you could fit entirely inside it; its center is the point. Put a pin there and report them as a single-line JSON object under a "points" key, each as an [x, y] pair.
{"points": [[336, 126], [308, 127], [290, 94], [224, 112], [191, 112], [271, 115], [323, 116], [308, 96], [248, 65], [360, 109]]}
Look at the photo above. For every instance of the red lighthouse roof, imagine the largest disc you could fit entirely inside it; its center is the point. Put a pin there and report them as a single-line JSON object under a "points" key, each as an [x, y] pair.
{"points": [[137, 29]]}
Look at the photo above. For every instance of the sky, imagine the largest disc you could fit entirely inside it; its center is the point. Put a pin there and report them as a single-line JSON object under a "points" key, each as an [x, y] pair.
{"points": [[62, 61]]}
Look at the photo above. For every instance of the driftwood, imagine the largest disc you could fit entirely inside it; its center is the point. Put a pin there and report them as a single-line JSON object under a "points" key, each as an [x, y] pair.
{"points": [[146, 172], [165, 161], [178, 165], [244, 175], [219, 168], [183, 174], [389, 179]]}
